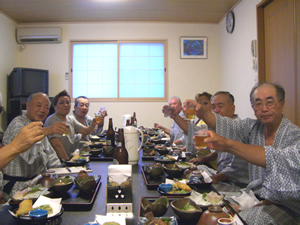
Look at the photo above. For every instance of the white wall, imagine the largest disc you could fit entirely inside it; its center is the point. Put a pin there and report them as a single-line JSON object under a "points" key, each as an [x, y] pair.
{"points": [[186, 77], [237, 75], [228, 67], [8, 58]]}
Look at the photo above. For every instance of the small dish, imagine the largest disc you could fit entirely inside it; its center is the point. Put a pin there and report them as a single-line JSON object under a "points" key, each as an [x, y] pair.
{"points": [[165, 187], [159, 207], [86, 184], [186, 215], [172, 170], [185, 165], [38, 214]]}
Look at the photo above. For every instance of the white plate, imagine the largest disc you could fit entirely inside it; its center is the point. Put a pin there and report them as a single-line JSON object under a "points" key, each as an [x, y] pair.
{"points": [[185, 165]]}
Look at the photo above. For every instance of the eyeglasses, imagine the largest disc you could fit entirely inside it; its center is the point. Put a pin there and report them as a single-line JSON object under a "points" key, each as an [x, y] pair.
{"points": [[270, 103], [1, 109]]}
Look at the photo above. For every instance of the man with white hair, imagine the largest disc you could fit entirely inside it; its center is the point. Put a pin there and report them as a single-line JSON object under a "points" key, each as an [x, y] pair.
{"points": [[175, 131], [41, 156]]}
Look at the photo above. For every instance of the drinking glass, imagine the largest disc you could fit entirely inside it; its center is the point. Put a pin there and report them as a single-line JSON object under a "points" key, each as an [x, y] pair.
{"points": [[68, 130], [200, 134], [190, 111], [167, 110], [98, 117]]}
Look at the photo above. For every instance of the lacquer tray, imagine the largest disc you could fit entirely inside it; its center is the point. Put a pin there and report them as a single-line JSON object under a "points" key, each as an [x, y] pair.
{"points": [[169, 212], [101, 157], [74, 200], [153, 184]]}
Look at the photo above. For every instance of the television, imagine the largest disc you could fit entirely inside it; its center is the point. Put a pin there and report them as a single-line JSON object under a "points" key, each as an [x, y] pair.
{"points": [[23, 82]]}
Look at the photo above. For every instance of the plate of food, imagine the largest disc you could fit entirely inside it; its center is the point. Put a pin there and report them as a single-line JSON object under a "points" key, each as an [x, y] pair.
{"points": [[53, 207], [32, 193], [94, 138], [185, 165], [178, 189], [166, 159], [77, 160], [150, 219], [207, 199]]}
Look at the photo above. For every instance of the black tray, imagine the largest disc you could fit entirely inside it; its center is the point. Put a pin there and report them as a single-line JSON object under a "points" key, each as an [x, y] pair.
{"points": [[73, 200], [101, 157], [153, 184], [148, 158], [169, 212]]}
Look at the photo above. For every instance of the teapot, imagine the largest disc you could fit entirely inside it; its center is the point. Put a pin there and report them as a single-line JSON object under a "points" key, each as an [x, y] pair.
{"points": [[124, 118], [132, 144]]}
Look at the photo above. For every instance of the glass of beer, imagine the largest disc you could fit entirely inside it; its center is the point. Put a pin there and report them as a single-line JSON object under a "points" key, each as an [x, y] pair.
{"points": [[190, 111], [167, 110], [68, 130], [200, 134], [98, 117]]}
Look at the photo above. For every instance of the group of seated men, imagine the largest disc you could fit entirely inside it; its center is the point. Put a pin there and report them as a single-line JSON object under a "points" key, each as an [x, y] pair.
{"points": [[27, 151], [268, 148]]}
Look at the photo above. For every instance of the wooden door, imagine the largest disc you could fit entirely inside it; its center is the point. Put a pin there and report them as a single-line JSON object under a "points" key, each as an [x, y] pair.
{"points": [[277, 50]]}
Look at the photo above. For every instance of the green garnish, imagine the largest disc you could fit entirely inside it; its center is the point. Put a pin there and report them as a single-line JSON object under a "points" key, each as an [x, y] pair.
{"points": [[188, 207], [204, 196]]}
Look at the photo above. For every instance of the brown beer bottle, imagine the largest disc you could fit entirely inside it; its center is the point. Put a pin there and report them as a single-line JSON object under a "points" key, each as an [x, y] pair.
{"points": [[120, 155], [110, 137], [134, 120], [128, 123]]}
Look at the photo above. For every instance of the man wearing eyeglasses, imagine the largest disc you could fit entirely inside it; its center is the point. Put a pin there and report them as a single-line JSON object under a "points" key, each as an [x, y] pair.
{"points": [[80, 113], [271, 145]]}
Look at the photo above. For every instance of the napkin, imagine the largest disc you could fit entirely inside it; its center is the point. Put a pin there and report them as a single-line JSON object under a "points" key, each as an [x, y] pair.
{"points": [[53, 202], [246, 200], [169, 181], [119, 173]]}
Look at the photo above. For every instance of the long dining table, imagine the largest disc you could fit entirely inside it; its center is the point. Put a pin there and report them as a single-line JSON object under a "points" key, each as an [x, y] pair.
{"points": [[139, 189]]}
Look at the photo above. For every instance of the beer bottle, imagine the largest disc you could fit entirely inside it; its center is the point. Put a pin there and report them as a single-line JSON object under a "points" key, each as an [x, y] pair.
{"points": [[134, 120], [110, 137], [128, 123], [120, 155]]}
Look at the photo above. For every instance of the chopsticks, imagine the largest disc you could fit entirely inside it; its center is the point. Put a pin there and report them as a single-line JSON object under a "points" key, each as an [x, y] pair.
{"points": [[67, 168]]}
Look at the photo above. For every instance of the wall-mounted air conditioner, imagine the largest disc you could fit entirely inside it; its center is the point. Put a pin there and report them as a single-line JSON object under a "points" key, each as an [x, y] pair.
{"points": [[39, 35]]}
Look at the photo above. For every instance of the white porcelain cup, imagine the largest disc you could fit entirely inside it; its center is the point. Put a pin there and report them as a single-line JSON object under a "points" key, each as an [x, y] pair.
{"points": [[225, 221]]}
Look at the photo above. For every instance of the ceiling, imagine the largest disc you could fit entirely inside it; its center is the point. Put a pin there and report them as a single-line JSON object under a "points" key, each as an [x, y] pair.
{"points": [[68, 11]]}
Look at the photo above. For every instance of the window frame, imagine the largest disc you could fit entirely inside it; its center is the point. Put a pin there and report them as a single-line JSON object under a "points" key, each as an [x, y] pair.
{"points": [[118, 99]]}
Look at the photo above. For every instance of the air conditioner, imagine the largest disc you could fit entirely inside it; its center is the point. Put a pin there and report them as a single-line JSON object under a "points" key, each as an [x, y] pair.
{"points": [[39, 35]]}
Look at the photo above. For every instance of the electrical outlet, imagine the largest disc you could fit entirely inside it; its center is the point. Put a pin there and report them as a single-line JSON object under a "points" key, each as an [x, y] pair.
{"points": [[67, 76]]}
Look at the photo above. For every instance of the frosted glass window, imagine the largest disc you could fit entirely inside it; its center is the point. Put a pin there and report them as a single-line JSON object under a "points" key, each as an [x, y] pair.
{"points": [[118, 70]]}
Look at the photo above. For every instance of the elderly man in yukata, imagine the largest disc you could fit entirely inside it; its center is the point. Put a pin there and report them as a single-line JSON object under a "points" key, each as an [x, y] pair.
{"points": [[271, 145], [41, 156], [230, 169]]}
